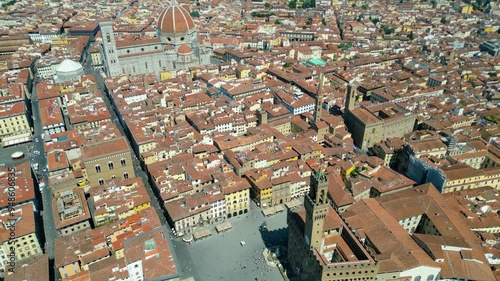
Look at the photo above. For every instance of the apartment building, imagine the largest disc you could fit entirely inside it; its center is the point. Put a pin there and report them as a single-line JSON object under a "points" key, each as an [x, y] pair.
{"points": [[33, 269], [95, 54], [241, 143], [149, 256], [427, 147], [88, 112], [51, 116], [98, 254], [47, 71], [237, 197], [24, 244], [268, 191], [14, 126], [25, 191], [107, 160], [475, 153], [44, 34], [74, 253], [196, 210], [461, 176], [118, 200], [388, 150], [10, 44], [71, 212]]}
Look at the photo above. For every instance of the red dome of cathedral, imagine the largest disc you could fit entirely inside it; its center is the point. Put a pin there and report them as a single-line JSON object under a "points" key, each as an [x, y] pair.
{"points": [[175, 19], [184, 49]]}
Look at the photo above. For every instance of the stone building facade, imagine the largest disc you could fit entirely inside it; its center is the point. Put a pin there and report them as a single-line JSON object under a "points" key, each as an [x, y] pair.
{"points": [[176, 46], [107, 160]]}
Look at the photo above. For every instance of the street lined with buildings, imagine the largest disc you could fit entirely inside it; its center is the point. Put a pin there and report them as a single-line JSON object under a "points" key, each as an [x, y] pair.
{"points": [[249, 140]]}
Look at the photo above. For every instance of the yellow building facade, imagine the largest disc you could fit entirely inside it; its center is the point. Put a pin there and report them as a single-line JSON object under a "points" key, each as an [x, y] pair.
{"points": [[14, 126], [237, 202]]}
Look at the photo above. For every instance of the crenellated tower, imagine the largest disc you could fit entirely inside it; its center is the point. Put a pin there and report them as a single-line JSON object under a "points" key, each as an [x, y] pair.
{"points": [[316, 205]]}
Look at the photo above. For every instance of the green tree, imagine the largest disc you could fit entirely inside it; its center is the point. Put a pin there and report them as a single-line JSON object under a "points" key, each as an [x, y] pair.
{"points": [[277, 21], [198, 4], [410, 36], [443, 20], [323, 21], [364, 6], [375, 21], [492, 74], [267, 5], [309, 21], [195, 14], [309, 4], [9, 3], [292, 4], [345, 46], [387, 30]]}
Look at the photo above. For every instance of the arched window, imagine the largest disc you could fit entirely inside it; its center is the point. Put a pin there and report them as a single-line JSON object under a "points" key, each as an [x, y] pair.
{"points": [[430, 277], [321, 196], [97, 168], [417, 278], [123, 162], [125, 175], [110, 165], [101, 181]]}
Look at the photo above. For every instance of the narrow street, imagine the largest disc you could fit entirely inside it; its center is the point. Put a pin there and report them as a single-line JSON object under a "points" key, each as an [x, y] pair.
{"points": [[50, 232], [114, 117]]}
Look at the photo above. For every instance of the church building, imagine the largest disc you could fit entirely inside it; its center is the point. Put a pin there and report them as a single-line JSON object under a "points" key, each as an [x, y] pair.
{"points": [[176, 46]]}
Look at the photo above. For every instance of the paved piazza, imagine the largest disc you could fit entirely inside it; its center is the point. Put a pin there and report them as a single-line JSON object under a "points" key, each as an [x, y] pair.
{"points": [[221, 256]]}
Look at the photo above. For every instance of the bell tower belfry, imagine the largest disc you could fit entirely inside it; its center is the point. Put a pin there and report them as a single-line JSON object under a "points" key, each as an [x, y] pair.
{"points": [[319, 98], [350, 97], [316, 205], [108, 50]]}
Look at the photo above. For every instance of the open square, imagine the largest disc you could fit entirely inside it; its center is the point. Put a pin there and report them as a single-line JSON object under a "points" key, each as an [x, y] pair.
{"points": [[223, 257]]}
